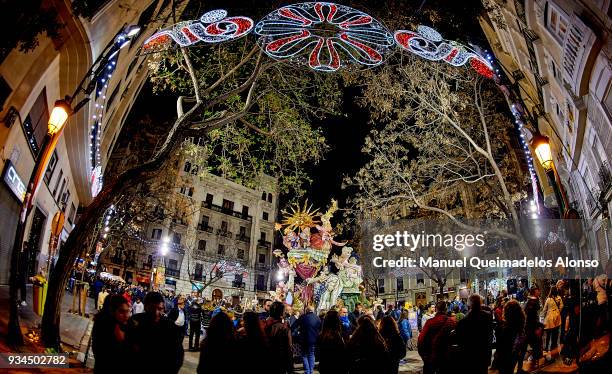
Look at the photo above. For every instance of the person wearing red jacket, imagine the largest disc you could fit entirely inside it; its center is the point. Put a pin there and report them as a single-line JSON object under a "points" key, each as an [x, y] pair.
{"points": [[433, 342]]}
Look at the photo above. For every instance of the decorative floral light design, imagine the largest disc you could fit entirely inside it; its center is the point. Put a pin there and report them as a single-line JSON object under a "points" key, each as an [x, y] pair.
{"points": [[323, 36], [212, 27], [429, 44]]}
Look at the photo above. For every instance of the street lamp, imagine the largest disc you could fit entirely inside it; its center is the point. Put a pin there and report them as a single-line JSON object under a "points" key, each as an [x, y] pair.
{"points": [[57, 121], [541, 146]]}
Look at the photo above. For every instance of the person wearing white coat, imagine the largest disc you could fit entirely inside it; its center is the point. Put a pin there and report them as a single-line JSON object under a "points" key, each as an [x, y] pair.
{"points": [[552, 318]]}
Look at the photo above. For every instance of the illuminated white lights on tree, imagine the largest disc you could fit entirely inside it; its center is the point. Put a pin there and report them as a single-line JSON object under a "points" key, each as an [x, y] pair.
{"points": [[212, 27], [429, 44], [323, 36]]}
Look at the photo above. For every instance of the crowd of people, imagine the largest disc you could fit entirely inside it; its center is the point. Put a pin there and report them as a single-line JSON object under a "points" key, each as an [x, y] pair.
{"points": [[150, 330]]}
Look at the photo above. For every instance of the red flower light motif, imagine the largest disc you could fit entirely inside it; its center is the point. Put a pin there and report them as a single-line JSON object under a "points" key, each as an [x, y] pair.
{"points": [[324, 36]]}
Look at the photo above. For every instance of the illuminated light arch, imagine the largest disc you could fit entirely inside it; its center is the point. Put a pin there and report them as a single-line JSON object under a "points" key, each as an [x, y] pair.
{"points": [[212, 27], [323, 36], [429, 44]]}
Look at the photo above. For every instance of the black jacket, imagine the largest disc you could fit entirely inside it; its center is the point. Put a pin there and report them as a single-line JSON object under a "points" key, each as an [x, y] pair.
{"points": [[156, 347], [105, 346], [475, 337], [195, 312], [309, 326]]}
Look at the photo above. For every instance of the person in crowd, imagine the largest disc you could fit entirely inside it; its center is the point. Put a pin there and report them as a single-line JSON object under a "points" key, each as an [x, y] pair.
{"points": [[428, 314], [97, 286], [355, 314], [101, 297], [108, 334], [332, 355], [396, 347], [521, 292], [179, 316], [309, 326], [168, 302], [155, 341], [219, 346], [510, 334], [127, 297], [379, 313], [552, 318], [347, 327], [533, 327], [266, 312], [279, 338], [252, 344], [195, 323], [366, 348], [420, 313], [138, 306], [600, 284], [498, 310], [404, 327], [434, 340], [457, 313], [475, 335]]}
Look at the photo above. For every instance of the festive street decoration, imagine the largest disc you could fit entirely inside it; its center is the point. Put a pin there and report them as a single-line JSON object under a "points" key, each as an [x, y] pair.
{"points": [[308, 244], [212, 27], [323, 36], [429, 44]]}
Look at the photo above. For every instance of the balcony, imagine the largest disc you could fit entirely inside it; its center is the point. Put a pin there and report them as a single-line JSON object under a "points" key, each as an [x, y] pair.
{"points": [[200, 255], [244, 238], [238, 284], [229, 212], [224, 233], [172, 272], [206, 228], [264, 244], [174, 247], [198, 277], [260, 266]]}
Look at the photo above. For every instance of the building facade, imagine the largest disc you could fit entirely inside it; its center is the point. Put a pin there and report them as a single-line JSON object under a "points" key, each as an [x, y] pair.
{"points": [[211, 223], [30, 83], [556, 54]]}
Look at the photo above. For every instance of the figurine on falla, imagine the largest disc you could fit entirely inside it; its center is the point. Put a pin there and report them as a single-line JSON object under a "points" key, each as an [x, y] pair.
{"points": [[304, 275]]}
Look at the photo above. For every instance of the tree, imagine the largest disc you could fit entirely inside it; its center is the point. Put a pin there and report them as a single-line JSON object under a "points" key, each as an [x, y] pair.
{"points": [[256, 112], [440, 134], [26, 20]]}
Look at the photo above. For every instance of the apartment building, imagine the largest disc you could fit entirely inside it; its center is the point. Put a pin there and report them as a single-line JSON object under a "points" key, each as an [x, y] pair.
{"points": [[30, 83]]}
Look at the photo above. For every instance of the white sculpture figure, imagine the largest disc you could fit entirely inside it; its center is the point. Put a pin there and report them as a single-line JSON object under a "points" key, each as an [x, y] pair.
{"points": [[333, 289], [350, 276]]}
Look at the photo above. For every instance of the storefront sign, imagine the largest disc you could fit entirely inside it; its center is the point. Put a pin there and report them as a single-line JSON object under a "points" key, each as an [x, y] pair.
{"points": [[14, 181]]}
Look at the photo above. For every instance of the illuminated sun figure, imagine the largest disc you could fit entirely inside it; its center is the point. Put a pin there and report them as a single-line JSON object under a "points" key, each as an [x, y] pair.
{"points": [[299, 218]]}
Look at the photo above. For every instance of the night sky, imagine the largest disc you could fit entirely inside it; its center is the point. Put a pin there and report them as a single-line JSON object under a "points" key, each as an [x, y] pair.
{"points": [[345, 134]]}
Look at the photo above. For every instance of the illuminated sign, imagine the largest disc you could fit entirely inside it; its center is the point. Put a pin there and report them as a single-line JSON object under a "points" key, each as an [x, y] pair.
{"points": [[13, 181]]}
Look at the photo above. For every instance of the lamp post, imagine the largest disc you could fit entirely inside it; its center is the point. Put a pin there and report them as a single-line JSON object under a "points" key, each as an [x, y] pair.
{"points": [[541, 147], [55, 126]]}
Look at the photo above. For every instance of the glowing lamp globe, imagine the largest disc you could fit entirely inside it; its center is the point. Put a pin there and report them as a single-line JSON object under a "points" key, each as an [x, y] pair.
{"points": [[132, 30], [59, 116], [541, 146]]}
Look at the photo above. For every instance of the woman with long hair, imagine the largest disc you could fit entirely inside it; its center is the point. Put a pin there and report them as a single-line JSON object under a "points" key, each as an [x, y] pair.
{"points": [[252, 343], [396, 347], [366, 347], [404, 327], [108, 334], [552, 319], [219, 345], [332, 350], [510, 338]]}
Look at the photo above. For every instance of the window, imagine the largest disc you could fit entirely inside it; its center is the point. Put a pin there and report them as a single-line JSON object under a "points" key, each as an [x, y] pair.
{"points": [[187, 167], [195, 170], [261, 282], [35, 124], [228, 205], [263, 196], [265, 216], [71, 213], [240, 253], [420, 278], [261, 258], [607, 102], [556, 22], [176, 238], [400, 284], [204, 222], [209, 199], [262, 236], [51, 167], [156, 234], [59, 178], [172, 264], [221, 250], [269, 197], [197, 273], [381, 285], [61, 190], [190, 193], [65, 199], [224, 226], [245, 211], [202, 245], [242, 231]]}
